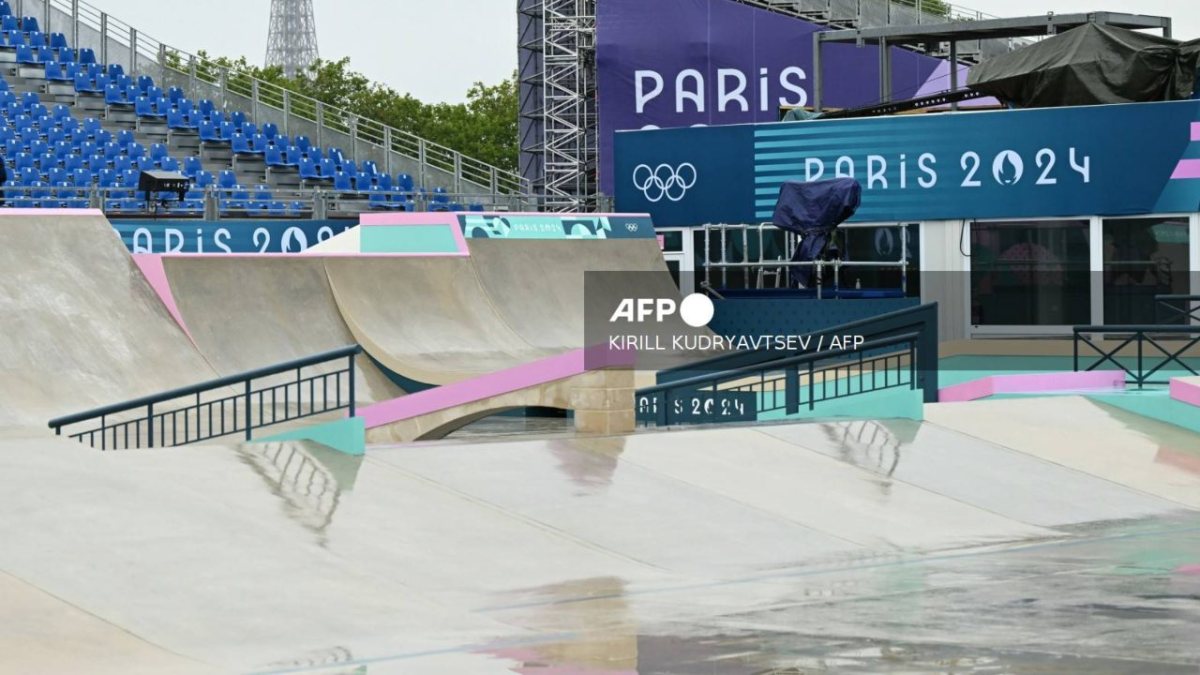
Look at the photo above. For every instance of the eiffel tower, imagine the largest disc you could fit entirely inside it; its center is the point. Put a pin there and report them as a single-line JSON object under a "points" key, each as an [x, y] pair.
{"points": [[292, 41]]}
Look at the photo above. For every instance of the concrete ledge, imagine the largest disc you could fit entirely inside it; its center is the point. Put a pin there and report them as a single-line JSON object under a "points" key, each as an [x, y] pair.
{"points": [[1032, 383], [1186, 390]]}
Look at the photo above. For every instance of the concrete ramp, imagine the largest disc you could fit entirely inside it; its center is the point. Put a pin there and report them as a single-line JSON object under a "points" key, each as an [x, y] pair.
{"points": [[245, 312], [82, 327]]}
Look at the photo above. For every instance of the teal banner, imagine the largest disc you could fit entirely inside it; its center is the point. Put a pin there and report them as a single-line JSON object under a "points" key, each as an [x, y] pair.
{"points": [[226, 236], [1096, 160], [550, 226]]}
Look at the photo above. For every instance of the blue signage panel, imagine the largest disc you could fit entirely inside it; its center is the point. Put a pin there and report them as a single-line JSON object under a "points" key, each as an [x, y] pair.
{"points": [[226, 236], [1095, 160], [551, 226]]}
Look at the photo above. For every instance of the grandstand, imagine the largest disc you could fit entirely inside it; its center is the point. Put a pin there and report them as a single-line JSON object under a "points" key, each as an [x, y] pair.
{"points": [[77, 132]]}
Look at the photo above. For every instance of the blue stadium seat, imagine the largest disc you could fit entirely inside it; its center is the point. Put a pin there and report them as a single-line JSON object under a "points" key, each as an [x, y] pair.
{"points": [[122, 163], [114, 70], [157, 152], [135, 150], [45, 55], [58, 40], [308, 169], [64, 54], [238, 118], [83, 83], [91, 125], [184, 105], [262, 193], [277, 208], [363, 182], [95, 163], [26, 55], [273, 156], [349, 167], [54, 135], [114, 94], [70, 124], [241, 144], [227, 130], [368, 167], [129, 178], [106, 178], [5, 9], [192, 166], [37, 110], [60, 112], [378, 199], [384, 181], [328, 168], [216, 117], [37, 147], [404, 182], [55, 175], [56, 73], [168, 164], [440, 196], [208, 131], [227, 180], [29, 24], [341, 182], [103, 136], [336, 155], [10, 22], [205, 107], [269, 130], [35, 38], [238, 199], [144, 107], [87, 55], [203, 179], [144, 82], [178, 120], [303, 143], [248, 129], [175, 94], [154, 92], [475, 207]]}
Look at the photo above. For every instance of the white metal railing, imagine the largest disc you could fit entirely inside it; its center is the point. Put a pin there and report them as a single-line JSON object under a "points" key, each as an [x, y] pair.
{"points": [[396, 150]]}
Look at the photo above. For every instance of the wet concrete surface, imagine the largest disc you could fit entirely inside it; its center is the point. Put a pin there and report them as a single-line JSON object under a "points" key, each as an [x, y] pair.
{"points": [[840, 547]]}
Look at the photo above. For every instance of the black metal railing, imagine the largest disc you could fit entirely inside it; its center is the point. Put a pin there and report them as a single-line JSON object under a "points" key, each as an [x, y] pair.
{"points": [[1171, 309], [1137, 338], [922, 320], [789, 383], [229, 405]]}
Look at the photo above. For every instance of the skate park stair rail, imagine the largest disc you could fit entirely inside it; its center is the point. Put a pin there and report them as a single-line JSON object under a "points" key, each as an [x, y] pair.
{"points": [[1141, 336], [786, 384], [229, 405]]}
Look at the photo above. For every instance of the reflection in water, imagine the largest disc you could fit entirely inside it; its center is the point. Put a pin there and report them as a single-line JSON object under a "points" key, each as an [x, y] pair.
{"points": [[588, 462], [1177, 446], [595, 613], [307, 476], [872, 445]]}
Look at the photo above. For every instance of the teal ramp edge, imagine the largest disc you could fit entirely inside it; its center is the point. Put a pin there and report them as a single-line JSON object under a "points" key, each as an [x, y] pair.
{"points": [[897, 403], [415, 239], [1162, 408], [348, 435]]}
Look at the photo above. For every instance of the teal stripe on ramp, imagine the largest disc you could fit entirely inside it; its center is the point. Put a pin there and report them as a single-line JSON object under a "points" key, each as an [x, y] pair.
{"points": [[408, 239]]}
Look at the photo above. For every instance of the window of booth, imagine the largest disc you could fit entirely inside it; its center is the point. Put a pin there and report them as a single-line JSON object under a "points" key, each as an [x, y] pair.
{"points": [[1030, 273], [1143, 257]]}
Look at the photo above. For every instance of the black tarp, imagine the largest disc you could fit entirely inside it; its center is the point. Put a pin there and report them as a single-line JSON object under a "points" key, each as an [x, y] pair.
{"points": [[1091, 64], [814, 210]]}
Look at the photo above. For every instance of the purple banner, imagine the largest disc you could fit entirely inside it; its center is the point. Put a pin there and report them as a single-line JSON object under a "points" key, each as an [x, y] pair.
{"points": [[677, 63]]}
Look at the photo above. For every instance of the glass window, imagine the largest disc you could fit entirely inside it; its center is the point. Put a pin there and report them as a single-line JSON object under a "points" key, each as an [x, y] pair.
{"points": [[1030, 273], [880, 244], [1143, 257]]}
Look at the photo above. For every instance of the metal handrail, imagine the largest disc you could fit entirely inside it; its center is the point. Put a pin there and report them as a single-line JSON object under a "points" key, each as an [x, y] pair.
{"points": [[1140, 335], [263, 96], [1185, 312], [656, 400], [244, 379]]}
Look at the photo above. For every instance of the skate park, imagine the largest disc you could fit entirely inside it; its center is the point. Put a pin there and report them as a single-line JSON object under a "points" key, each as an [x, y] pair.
{"points": [[402, 448]]}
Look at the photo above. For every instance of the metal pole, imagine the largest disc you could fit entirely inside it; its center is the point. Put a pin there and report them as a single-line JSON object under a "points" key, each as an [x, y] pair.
{"points": [[287, 113], [352, 385], [818, 81], [954, 71], [133, 51], [103, 38], [885, 71], [75, 23], [192, 93], [150, 424], [162, 65], [320, 124], [254, 101], [249, 416]]}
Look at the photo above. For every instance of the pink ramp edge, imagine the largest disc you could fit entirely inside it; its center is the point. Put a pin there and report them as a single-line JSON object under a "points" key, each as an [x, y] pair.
{"points": [[483, 387], [1030, 383], [1186, 390], [51, 212], [151, 266], [1196, 131], [1187, 168]]}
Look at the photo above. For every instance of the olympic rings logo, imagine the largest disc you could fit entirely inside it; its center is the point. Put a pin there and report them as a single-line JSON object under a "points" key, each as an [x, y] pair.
{"points": [[664, 181]]}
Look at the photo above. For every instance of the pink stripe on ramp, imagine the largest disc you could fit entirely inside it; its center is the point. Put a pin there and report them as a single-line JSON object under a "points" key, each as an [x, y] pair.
{"points": [[1032, 383], [50, 212], [487, 386], [1186, 390], [1196, 131], [151, 266], [1187, 168]]}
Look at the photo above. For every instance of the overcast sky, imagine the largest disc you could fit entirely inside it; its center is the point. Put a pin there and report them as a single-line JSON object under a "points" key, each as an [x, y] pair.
{"points": [[435, 49]]}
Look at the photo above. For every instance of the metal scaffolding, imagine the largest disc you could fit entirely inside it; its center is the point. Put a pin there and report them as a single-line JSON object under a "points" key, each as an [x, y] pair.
{"points": [[292, 40], [557, 63]]}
